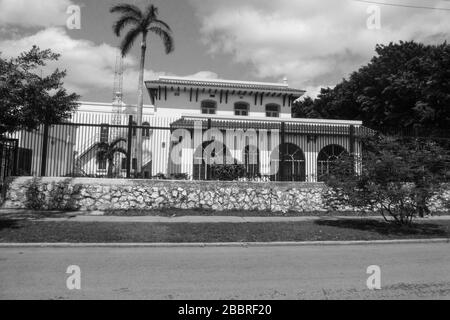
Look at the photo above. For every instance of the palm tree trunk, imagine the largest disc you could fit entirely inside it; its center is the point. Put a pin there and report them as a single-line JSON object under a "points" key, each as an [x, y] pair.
{"points": [[140, 105]]}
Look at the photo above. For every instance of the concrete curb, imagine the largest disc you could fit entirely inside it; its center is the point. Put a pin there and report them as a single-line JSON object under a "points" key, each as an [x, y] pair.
{"points": [[223, 244]]}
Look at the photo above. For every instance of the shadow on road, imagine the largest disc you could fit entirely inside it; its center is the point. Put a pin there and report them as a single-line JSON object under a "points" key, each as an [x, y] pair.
{"points": [[384, 228]]}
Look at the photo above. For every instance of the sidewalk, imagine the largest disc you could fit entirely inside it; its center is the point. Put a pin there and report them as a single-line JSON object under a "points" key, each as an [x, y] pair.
{"points": [[98, 217]]}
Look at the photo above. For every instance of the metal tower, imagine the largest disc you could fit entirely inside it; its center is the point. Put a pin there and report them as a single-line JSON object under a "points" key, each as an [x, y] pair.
{"points": [[118, 90]]}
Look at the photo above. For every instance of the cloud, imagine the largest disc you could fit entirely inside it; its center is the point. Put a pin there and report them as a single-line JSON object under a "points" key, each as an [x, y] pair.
{"points": [[90, 67], [34, 13], [313, 43]]}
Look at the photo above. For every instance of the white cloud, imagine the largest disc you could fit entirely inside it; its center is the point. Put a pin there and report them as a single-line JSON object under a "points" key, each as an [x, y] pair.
{"points": [[313, 43], [90, 67], [34, 13], [203, 75]]}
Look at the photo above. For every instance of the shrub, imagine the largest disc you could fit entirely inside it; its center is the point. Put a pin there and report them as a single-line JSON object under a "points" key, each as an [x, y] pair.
{"points": [[228, 172], [397, 177]]}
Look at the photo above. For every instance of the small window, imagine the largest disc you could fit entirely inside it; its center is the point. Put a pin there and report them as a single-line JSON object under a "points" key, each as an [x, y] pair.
{"points": [[209, 107], [273, 111], [134, 164], [104, 133], [146, 131], [102, 165], [241, 109], [124, 164]]}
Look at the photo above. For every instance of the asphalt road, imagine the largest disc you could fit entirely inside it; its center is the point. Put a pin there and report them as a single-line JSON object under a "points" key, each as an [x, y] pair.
{"points": [[312, 272]]}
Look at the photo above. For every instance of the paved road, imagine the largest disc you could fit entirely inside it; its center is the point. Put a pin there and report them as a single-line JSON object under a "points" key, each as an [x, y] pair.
{"points": [[318, 272]]}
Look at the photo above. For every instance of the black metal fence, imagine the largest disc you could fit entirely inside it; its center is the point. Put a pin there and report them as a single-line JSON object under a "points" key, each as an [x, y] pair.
{"points": [[8, 160], [272, 149]]}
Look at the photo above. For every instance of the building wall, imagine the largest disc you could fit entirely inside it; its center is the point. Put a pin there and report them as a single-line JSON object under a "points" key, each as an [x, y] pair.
{"points": [[178, 105]]}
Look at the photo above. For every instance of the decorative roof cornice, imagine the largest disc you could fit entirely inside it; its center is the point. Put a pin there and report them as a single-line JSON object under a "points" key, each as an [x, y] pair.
{"points": [[224, 84]]}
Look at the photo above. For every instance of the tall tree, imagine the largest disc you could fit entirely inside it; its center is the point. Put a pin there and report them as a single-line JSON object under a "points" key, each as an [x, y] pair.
{"points": [[27, 97], [140, 23], [406, 85]]}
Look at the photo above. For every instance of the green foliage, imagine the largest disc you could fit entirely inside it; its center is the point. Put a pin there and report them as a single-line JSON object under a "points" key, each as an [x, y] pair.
{"points": [[107, 151], [405, 85], [140, 23], [28, 98], [395, 177], [228, 172]]}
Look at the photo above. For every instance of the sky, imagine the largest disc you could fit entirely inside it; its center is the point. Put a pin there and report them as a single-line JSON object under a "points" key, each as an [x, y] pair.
{"points": [[313, 43]]}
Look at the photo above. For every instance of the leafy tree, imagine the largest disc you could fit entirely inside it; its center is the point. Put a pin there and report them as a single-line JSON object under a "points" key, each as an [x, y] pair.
{"points": [[141, 23], [107, 151], [27, 98], [406, 85], [396, 177]]}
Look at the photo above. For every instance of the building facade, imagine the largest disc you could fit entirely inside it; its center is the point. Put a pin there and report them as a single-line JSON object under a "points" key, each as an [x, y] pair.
{"points": [[191, 125]]}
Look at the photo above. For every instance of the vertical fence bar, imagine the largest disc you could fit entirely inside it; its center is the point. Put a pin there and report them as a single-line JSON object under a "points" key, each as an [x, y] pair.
{"points": [[208, 164], [283, 151], [44, 150], [129, 145]]}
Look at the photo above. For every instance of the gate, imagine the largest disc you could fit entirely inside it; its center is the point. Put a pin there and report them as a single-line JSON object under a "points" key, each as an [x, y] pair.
{"points": [[8, 161]]}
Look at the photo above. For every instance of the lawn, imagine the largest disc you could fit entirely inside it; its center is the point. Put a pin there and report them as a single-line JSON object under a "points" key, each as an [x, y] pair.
{"points": [[29, 231]]}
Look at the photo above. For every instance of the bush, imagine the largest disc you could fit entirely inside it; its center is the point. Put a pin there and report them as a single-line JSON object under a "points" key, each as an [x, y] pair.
{"points": [[228, 172], [397, 177]]}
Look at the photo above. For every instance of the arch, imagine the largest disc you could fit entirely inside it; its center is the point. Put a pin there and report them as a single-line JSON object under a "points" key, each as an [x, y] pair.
{"points": [[327, 156], [273, 110], [291, 163], [241, 109], [216, 149], [209, 107]]}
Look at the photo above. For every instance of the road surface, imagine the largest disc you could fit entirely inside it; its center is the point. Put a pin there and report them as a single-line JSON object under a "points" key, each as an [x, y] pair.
{"points": [[311, 272]]}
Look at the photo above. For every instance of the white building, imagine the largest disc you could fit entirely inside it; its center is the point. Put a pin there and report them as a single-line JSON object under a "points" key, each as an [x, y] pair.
{"points": [[252, 119]]}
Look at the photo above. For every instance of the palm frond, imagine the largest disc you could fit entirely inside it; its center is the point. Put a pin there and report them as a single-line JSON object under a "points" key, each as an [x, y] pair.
{"points": [[117, 141], [128, 9], [128, 41], [161, 24], [165, 36], [124, 21], [118, 150]]}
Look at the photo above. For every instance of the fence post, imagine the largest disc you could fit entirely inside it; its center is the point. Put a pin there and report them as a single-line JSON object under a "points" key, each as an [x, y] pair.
{"points": [[352, 139], [352, 147], [129, 142], [16, 158], [44, 150], [208, 165], [282, 150]]}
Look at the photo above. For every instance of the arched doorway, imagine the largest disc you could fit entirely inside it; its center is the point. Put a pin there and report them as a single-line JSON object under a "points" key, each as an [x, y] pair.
{"points": [[291, 163], [327, 157], [216, 151]]}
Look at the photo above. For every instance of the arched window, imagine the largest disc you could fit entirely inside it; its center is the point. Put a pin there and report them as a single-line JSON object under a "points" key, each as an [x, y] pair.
{"points": [[209, 107], [241, 109], [327, 157], [273, 110], [291, 163], [146, 130]]}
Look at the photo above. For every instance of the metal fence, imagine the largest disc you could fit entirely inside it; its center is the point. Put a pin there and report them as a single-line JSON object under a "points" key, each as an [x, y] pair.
{"points": [[92, 146], [8, 160]]}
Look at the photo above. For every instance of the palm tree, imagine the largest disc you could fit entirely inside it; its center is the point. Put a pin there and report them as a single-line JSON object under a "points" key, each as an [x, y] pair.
{"points": [[140, 23], [107, 151]]}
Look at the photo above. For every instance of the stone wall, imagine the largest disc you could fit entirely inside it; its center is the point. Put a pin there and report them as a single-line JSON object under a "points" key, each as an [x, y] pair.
{"points": [[104, 194]]}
